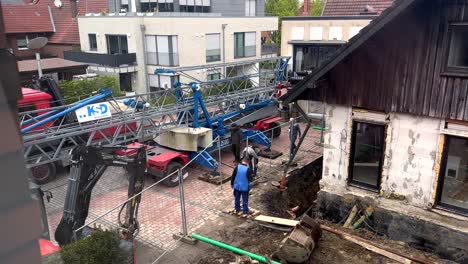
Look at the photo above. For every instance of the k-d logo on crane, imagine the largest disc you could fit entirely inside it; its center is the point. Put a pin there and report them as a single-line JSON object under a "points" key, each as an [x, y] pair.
{"points": [[93, 112]]}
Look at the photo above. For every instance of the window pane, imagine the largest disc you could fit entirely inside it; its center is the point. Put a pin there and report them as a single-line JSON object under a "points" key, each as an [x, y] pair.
{"points": [[92, 42], [213, 51], [336, 33], [165, 81], [367, 154], [250, 39], [455, 182], [458, 54], [252, 7], [174, 44], [112, 44], [297, 33], [353, 31], [163, 49], [123, 44], [151, 57], [174, 56], [154, 80], [316, 33], [214, 76], [212, 41], [250, 47], [21, 42], [239, 45]]}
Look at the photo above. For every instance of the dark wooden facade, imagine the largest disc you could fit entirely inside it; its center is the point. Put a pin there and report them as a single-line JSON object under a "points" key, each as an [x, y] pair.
{"points": [[401, 67]]}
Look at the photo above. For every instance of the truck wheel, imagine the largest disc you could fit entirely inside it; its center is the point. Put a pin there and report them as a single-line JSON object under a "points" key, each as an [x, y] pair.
{"points": [[44, 173], [276, 129], [173, 180]]}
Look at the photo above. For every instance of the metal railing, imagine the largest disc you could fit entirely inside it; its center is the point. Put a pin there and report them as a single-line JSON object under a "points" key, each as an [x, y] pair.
{"points": [[112, 60], [165, 212], [269, 49]]}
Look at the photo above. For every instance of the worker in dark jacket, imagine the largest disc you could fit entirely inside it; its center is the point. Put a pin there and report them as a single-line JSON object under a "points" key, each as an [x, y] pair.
{"points": [[236, 139], [294, 133], [241, 178]]}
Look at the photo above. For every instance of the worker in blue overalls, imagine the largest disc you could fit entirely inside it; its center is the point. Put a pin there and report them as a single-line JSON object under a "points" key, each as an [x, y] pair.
{"points": [[241, 178]]}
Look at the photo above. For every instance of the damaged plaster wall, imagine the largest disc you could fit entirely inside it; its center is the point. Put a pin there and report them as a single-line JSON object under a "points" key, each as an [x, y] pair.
{"points": [[410, 155], [410, 158], [335, 149]]}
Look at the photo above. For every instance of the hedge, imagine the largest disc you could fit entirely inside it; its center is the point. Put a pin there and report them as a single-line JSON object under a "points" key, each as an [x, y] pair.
{"points": [[101, 247], [77, 90]]}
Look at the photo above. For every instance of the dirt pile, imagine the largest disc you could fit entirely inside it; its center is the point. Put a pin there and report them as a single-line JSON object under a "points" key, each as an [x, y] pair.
{"points": [[302, 188]]}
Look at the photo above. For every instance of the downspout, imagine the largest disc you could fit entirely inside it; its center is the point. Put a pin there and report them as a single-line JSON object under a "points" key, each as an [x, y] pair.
{"points": [[133, 6], [224, 48], [145, 69], [52, 19]]}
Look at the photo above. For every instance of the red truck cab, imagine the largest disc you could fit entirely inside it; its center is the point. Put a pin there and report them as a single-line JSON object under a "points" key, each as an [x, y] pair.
{"points": [[34, 100]]}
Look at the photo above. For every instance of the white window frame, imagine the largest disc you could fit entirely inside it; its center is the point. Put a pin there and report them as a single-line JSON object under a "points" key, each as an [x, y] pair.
{"points": [[250, 7], [335, 33], [297, 33], [353, 31], [316, 33]]}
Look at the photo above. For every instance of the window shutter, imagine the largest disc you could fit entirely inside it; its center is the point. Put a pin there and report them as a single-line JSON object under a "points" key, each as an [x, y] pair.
{"points": [[250, 39], [212, 41]]}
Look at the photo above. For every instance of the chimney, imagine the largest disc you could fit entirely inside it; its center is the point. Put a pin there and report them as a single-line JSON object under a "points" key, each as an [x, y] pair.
{"points": [[74, 8], [306, 8]]}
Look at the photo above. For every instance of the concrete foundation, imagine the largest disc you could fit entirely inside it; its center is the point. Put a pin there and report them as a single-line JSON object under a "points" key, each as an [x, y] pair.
{"points": [[186, 138], [424, 230]]}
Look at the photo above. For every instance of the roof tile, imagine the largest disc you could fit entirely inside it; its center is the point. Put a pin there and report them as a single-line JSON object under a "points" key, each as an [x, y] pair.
{"points": [[26, 19], [38, 18], [354, 7]]}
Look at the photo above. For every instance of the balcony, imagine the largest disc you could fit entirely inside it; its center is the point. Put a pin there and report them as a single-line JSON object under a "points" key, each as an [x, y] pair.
{"points": [[110, 60], [269, 49]]}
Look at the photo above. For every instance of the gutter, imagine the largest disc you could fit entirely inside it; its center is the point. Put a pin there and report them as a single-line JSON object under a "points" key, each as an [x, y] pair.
{"points": [[51, 18]]}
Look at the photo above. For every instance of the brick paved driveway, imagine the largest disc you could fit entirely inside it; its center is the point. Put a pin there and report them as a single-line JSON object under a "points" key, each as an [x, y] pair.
{"points": [[160, 213]]}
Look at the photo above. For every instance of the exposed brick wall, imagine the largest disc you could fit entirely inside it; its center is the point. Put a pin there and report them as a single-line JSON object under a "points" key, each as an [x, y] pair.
{"points": [[50, 50]]}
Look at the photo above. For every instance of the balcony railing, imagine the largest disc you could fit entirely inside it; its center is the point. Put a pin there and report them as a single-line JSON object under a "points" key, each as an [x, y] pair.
{"points": [[112, 60], [269, 49]]}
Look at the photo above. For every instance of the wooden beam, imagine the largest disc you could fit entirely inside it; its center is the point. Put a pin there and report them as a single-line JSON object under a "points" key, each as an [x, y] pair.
{"points": [[276, 220], [351, 216], [381, 250]]}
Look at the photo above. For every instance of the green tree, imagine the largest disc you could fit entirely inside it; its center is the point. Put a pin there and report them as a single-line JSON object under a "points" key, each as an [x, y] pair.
{"points": [[316, 7], [281, 8]]}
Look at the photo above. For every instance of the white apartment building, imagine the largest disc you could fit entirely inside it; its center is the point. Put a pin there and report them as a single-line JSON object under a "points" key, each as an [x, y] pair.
{"points": [[133, 46], [311, 40]]}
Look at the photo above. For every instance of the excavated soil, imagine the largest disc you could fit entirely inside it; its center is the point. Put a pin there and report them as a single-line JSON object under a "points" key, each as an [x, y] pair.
{"points": [[303, 185]]}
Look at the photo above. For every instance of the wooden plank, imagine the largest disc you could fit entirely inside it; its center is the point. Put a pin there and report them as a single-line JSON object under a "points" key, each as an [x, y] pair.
{"points": [[464, 107], [455, 99], [447, 98], [351, 216], [433, 69], [367, 245], [276, 220]]}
